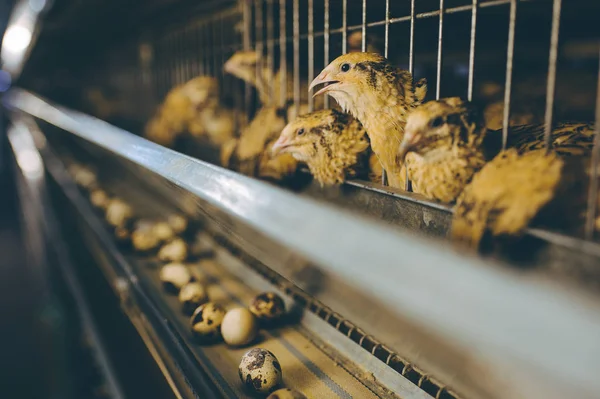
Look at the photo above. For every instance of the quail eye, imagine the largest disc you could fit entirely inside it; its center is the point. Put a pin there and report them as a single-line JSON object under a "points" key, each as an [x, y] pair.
{"points": [[437, 122], [300, 132], [345, 67]]}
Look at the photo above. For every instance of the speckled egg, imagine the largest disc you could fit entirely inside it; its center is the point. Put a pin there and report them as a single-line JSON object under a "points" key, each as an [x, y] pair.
{"points": [[239, 327], [267, 306], [99, 198], [163, 231], [144, 239], [174, 276], [173, 251], [260, 371], [178, 223], [286, 393], [191, 296], [206, 322], [118, 212]]}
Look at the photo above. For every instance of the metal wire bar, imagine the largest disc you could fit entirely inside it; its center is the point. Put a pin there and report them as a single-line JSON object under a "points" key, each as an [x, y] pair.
{"points": [[424, 15], [592, 205], [411, 69], [283, 50], [258, 37], [363, 44], [551, 84], [311, 50], [344, 26], [247, 12], [386, 45], [438, 87], [296, 28], [270, 44], [510, 51], [471, 77], [326, 44], [386, 50]]}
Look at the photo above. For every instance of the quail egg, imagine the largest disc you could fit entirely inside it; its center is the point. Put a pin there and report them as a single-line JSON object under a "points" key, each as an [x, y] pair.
{"points": [[191, 296], [99, 198], [144, 240], [239, 327], [267, 306], [260, 370], [286, 393], [173, 251], [174, 276], [206, 322], [85, 178], [118, 212], [163, 231], [178, 223]]}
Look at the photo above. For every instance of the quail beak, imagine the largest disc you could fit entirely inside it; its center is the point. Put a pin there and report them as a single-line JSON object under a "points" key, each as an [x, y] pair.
{"points": [[323, 79], [408, 144], [280, 145]]}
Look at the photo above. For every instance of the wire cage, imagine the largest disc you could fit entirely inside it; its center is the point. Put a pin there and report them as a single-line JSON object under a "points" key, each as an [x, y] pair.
{"points": [[537, 57]]}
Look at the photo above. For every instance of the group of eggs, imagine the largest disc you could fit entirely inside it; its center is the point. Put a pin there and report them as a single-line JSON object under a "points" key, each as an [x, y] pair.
{"points": [[259, 369]]}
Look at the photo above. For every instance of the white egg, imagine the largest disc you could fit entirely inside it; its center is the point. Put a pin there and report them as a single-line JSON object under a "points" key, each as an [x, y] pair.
{"points": [[191, 296], [118, 212], [239, 327], [144, 239], [260, 371], [173, 251], [206, 322], [99, 198], [178, 223], [163, 231], [174, 276], [286, 393]]}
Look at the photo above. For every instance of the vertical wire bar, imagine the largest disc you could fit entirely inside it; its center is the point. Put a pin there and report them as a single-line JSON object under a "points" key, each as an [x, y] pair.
{"points": [[363, 44], [411, 45], [271, 46], [216, 49], [510, 51], [344, 26], [283, 50], [247, 15], [259, 44], [386, 46], [311, 51], [296, 26], [551, 85], [200, 49], [438, 85], [209, 47], [471, 78], [411, 69], [592, 204], [386, 51], [326, 45]]}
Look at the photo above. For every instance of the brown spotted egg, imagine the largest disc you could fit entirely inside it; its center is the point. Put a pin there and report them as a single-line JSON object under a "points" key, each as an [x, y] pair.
{"points": [[118, 212], [267, 306], [260, 371], [144, 239], [286, 393], [206, 322]]}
